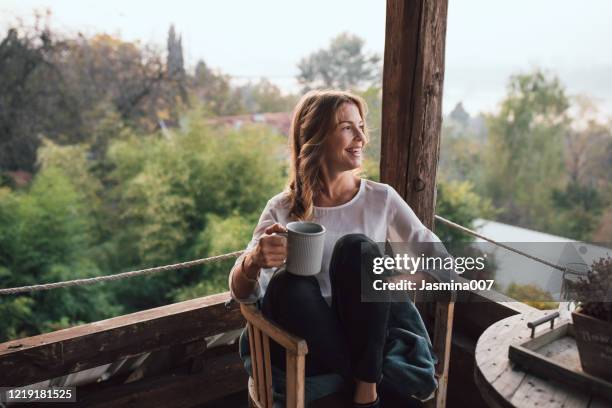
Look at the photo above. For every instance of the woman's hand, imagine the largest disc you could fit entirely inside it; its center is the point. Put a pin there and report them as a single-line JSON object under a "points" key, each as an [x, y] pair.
{"points": [[271, 250]]}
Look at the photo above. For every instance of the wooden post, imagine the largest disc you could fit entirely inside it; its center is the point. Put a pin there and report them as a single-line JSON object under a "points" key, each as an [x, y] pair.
{"points": [[413, 78], [412, 101]]}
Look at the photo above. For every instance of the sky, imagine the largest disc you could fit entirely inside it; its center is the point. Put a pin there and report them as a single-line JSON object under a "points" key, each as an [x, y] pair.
{"points": [[487, 41]]}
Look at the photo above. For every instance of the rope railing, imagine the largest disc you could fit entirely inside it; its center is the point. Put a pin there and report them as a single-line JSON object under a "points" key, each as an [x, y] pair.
{"points": [[509, 248], [118, 276], [235, 254]]}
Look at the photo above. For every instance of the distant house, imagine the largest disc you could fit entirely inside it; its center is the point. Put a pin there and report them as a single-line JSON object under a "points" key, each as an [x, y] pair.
{"points": [[511, 267], [281, 121]]}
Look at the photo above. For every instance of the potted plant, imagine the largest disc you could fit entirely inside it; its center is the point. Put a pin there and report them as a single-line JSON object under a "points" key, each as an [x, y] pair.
{"points": [[593, 319]]}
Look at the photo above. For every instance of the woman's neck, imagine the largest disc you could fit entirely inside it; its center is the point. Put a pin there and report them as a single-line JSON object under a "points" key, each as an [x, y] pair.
{"points": [[336, 189]]}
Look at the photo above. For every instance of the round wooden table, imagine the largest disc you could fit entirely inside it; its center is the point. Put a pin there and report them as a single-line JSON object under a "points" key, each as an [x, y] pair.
{"points": [[502, 384]]}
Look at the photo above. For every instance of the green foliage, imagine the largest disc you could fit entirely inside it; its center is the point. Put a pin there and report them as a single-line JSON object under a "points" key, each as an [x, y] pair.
{"points": [[458, 202], [264, 96], [58, 87], [16, 313], [222, 235], [461, 150], [169, 187], [579, 210], [542, 169], [344, 65], [524, 156], [45, 237], [32, 96], [214, 91], [532, 295], [592, 292], [162, 198]]}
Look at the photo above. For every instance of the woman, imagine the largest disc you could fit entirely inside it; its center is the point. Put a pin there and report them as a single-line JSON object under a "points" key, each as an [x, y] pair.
{"points": [[344, 335]]}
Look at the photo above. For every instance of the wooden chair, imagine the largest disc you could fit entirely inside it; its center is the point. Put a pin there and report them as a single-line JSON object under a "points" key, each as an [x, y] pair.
{"points": [[261, 330]]}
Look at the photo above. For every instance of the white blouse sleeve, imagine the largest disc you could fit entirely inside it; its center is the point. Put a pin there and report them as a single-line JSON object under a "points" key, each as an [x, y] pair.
{"points": [[404, 225], [411, 236], [267, 218]]}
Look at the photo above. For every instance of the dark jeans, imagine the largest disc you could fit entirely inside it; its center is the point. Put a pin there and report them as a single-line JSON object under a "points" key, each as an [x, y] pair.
{"points": [[347, 338]]}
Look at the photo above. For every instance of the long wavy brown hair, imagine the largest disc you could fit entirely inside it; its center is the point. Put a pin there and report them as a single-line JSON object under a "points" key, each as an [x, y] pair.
{"points": [[314, 118]]}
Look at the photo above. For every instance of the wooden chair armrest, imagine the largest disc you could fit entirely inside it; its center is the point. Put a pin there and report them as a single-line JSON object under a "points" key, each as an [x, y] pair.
{"points": [[260, 331], [290, 342]]}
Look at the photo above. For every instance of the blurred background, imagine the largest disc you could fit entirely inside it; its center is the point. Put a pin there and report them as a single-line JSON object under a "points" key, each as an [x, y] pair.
{"points": [[135, 134]]}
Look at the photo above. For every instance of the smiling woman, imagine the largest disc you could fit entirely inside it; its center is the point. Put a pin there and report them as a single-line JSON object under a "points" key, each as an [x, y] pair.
{"points": [[346, 337], [345, 146]]}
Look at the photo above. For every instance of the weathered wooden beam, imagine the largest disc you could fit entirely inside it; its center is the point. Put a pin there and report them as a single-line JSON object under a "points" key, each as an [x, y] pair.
{"points": [[37, 358], [221, 376], [413, 78]]}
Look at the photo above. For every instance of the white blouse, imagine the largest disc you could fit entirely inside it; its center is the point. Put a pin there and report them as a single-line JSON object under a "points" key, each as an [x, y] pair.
{"points": [[376, 211]]}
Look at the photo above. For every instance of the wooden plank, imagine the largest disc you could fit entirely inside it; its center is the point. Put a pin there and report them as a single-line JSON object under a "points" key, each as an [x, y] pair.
{"points": [[295, 380], [292, 343], [254, 362], [268, 369], [442, 344], [494, 376], [538, 392], [37, 358], [221, 376], [258, 356], [488, 393]]}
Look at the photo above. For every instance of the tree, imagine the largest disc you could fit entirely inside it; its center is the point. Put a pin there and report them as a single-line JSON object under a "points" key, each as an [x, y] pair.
{"points": [[588, 147], [170, 188], [264, 96], [175, 68], [174, 62], [45, 236], [580, 204], [460, 115], [33, 99], [342, 65], [60, 87], [578, 209], [460, 157], [214, 91], [105, 69], [458, 202], [523, 158]]}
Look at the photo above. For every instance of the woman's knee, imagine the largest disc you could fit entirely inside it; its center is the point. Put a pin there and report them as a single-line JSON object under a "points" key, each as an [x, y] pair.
{"points": [[288, 289], [354, 245]]}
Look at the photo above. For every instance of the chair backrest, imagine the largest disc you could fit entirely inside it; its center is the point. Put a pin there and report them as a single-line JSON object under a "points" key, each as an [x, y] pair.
{"points": [[260, 331]]}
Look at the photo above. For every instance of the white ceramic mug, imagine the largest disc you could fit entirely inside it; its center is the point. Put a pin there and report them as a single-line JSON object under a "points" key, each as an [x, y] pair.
{"points": [[305, 242]]}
